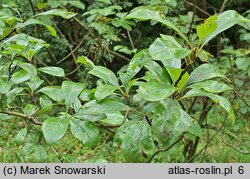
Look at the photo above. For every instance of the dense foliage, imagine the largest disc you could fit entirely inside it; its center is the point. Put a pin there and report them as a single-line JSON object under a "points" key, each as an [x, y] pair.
{"points": [[124, 81]]}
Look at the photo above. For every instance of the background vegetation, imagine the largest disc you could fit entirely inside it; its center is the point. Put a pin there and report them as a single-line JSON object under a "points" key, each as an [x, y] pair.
{"points": [[101, 81]]}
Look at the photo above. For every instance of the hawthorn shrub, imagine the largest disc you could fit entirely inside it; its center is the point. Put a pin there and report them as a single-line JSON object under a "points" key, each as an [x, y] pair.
{"points": [[159, 98]]}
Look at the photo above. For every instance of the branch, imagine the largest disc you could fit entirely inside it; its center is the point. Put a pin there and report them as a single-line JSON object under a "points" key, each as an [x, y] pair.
{"points": [[57, 154], [193, 146], [116, 54], [224, 5], [32, 7], [29, 117], [192, 21], [208, 142], [68, 44], [166, 149], [130, 39], [7, 36], [192, 105], [99, 43], [235, 148], [242, 98], [204, 12], [229, 134], [72, 52]]}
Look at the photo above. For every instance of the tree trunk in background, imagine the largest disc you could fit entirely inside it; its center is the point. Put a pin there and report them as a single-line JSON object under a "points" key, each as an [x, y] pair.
{"points": [[202, 4]]}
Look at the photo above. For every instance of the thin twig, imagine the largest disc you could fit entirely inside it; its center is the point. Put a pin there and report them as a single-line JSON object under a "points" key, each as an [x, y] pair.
{"points": [[76, 69], [40, 34], [130, 40], [208, 142], [70, 48], [116, 54], [166, 149], [229, 134], [29, 117], [235, 148], [32, 7], [57, 154], [192, 21], [192, 105], [72, 52], [98, 42], [224, 5], [204, 12], [208, 135], [7, 36]]}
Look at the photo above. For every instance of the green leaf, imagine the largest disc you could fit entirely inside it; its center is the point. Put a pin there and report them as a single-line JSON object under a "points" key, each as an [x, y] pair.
{"points": [[34, 82], [122, 130], [77, 4], [170, 119], [137, 63], [105, 1], [45, 101], [28, 67], [71, 91], [223, 102], [87, 95], [90, 114], [5, 116], [175, 74], [143, 13], [55, 3], [207, 27], [211, 86], [242, 63], [27, 149], [41, 5], [54, 92], [102, 91], [155, 90], [20, 77], [86, 132], [124, 49], [40, 154], [54, 128], [39, 22], [204, 56], [167, 50], [54, 71], [29, 109], [58, 12], [5, 86], [113, 119], [183, 80], [93, 111], [137, 143], [105, 74], [113, 105], [11, 95], [204, 72], [21, 135], [195, 129], [85, 61], [157, 71], [224, 21], [24, 45]]}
